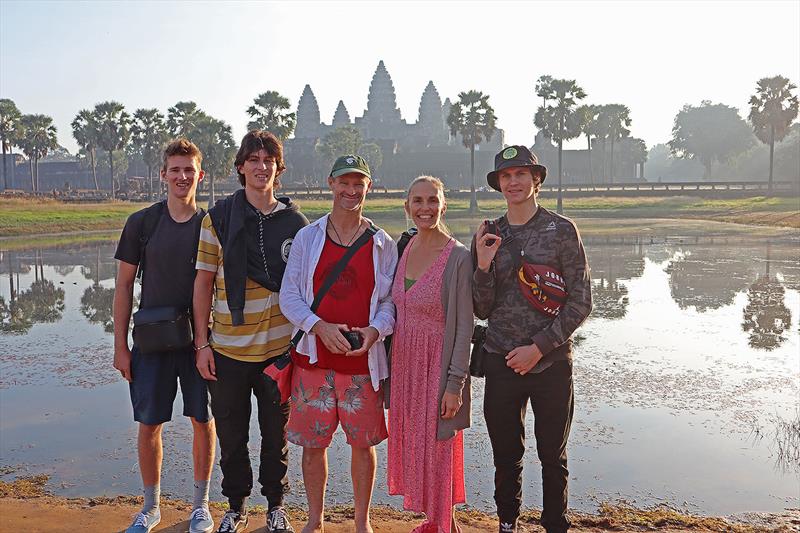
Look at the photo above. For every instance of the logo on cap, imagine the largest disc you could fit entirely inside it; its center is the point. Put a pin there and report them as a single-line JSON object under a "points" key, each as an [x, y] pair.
{"points": [[510, 153], [350, 160]]}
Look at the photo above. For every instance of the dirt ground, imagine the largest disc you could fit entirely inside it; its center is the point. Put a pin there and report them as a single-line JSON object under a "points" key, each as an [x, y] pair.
{"points": [[53, 514]]}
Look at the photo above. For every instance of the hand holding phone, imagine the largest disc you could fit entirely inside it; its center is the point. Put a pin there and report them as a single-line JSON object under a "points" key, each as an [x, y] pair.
{"points": [[491, 229], [487, 243], [354, 338]]}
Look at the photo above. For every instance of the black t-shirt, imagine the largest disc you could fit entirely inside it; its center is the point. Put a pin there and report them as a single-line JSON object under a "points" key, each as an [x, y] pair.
{"points": [[168, 279]]}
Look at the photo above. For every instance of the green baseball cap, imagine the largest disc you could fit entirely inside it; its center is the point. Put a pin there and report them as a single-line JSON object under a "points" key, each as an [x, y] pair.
{"points": [[350, 163]]}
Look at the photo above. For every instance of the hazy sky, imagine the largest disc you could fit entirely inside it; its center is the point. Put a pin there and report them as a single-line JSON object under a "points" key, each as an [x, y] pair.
{"points": [[59, 57]]}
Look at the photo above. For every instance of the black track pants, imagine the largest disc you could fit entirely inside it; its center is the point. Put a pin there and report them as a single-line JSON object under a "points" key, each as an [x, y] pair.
{"points": [[230, 403], [505, 404]]}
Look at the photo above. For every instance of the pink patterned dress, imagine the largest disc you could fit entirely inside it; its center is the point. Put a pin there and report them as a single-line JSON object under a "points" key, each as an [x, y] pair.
{"points": [[429, 473]]}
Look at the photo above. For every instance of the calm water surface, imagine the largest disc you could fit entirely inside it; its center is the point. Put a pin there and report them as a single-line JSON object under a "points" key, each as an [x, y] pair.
{"points": [[686, 380]]}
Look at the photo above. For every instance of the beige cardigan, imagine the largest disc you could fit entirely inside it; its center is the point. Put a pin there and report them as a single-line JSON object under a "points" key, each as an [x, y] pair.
{"points": [[457, 304]]}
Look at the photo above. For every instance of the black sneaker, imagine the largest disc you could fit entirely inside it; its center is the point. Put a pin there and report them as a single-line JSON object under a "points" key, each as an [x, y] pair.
{"points": [[233, 522], [508, 527], [278, 521]]}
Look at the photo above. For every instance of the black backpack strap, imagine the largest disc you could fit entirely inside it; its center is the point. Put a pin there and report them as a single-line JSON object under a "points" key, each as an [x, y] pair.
{"points": [[334, 274], [509, 242], [402, 242], [150, 220]]}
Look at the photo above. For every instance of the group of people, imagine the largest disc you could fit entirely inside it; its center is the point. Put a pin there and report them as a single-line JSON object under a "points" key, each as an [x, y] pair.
{"points": [[365, 328]]}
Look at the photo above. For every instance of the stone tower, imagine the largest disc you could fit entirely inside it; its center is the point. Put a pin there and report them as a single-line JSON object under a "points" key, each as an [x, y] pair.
{"points": [[341, 117], [308, 123], [382, 118], [446, 106], [431, 120]]}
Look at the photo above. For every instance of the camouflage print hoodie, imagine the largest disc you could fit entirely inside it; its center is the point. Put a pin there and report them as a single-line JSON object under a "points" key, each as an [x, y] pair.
{"points": [[548, 239]]}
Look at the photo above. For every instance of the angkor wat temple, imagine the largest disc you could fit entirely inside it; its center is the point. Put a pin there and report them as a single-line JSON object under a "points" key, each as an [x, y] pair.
{"points": [[423, 147]]}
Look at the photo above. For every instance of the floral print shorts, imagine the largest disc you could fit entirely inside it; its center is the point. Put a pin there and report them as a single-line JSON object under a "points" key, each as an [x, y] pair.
{"points": [[321, 398]]}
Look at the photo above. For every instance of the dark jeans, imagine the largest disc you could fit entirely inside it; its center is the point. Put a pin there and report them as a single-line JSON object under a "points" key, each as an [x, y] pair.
{"points": [[230, 403], [505, 403]]}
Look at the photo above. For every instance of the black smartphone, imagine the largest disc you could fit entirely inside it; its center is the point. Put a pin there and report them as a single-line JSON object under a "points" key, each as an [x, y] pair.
{"points": [[354, 338], [491, 228]]}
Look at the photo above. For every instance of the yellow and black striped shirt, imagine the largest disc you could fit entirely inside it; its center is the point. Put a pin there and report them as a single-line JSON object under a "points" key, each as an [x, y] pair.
{"points": [[265, 332]]}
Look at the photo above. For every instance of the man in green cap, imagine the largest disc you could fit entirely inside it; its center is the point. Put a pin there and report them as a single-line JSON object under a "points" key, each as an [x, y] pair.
{"points": [[339, 363]]}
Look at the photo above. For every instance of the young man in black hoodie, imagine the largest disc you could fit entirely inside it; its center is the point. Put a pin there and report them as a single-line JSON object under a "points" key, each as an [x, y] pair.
{"points": [[532, 284], [253, 230]]}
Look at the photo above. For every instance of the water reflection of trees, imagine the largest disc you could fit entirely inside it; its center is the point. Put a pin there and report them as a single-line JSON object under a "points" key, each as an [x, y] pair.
{"points": [[41, 302], [100, 267], [611, 263], [766, 317], [97, 304], [97, 301], [709, 277]]}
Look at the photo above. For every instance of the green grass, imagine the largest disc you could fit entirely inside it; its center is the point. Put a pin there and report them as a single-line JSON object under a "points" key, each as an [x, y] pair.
{"points": [[37, 217]]}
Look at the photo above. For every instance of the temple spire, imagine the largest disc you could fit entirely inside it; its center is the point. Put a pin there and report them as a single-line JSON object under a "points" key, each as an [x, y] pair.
{"points": [[381, 103], [308, 123], [341, 117], [431, 118]]}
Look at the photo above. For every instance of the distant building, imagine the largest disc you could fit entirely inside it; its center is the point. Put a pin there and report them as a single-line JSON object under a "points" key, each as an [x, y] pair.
{"points": [[424, 147]]}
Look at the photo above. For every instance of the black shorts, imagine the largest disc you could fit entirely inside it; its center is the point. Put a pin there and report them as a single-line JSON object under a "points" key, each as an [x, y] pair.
{"points": [[155, 384]]}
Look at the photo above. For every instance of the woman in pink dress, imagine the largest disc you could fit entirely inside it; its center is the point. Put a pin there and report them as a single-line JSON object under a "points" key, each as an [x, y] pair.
{"points": [[430, 387]]}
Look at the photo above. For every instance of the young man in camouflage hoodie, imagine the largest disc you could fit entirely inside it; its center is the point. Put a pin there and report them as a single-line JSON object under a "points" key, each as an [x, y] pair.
{"points": [[532, 284]]}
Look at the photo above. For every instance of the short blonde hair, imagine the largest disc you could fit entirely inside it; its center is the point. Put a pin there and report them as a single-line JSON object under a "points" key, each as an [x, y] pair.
{"points": [[439, 186]]}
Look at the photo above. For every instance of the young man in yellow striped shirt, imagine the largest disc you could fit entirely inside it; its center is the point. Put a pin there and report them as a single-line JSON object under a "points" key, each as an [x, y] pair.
{"points": [[242, 253]]}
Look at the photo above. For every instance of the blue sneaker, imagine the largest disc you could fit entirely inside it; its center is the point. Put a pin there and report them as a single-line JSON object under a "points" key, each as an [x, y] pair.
{"points": [[200, 521], [145, 522]]}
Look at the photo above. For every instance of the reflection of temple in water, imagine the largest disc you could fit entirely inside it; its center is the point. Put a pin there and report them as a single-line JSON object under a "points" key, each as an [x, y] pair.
{"points": [[409, 149]]}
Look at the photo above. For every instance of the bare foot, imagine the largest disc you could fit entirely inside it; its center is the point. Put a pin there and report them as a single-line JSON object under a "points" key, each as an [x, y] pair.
{"points": [[365, 528], [314, 527]]}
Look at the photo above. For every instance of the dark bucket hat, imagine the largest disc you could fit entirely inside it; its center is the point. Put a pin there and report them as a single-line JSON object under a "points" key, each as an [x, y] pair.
{"points": [[513, 156]]}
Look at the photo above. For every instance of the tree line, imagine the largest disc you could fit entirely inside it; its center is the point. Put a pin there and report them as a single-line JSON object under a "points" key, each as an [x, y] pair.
{"points": [[109, 136]]}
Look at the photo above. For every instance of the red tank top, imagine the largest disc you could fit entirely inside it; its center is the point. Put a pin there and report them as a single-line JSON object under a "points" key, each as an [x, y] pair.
{"points": [[346, 302]]}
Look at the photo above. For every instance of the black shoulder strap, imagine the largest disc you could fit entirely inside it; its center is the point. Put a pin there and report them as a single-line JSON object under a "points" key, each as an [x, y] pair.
{"points": [[334, 274], [403, 242], [151, 217], [509, 242]]}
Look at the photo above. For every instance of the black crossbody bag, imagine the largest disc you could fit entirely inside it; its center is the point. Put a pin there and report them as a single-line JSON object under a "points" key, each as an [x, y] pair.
{"points": [[163, 328]]}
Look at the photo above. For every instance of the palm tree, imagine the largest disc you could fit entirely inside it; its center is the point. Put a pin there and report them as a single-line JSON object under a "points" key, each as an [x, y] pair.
{"points": [[267, 113], [214, 138], [9, 131], [618, 117], [544, 88], [182, 119], [772, 110], [148, 135], [38, 138], [557, 122], [584, 119], [113, 131], [474, 119], [84, 129]]}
